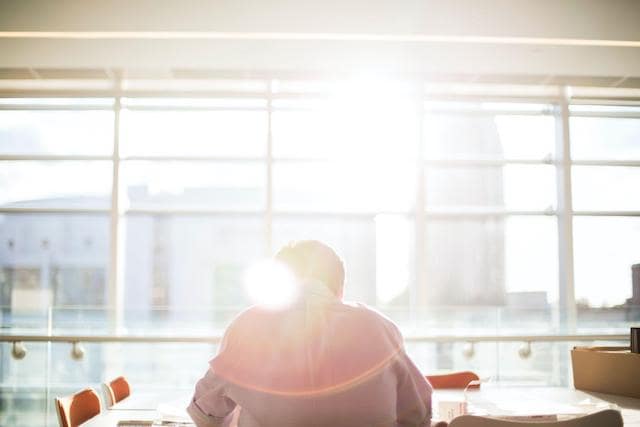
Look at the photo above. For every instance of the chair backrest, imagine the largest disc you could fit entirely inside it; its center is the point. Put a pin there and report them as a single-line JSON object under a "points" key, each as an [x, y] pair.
{"points": [[116, 390], [608, 418], [76, 409], [453, 380]]}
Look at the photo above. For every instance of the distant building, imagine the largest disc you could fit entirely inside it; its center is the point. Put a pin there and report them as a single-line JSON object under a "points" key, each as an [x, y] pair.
{"points": [[532, 299], [465, 259]]}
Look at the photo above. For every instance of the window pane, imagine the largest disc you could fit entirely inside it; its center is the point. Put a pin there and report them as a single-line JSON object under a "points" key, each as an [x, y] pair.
{"points": [[56, 184], [184, 185], [606, 188], [190, 268], [604, 250], [495, 187], [50, 259], [531, 260], [335, 131], [489, 137], [194, 133], [491, 261], [56, 132], [605, 138], [344, 187]]}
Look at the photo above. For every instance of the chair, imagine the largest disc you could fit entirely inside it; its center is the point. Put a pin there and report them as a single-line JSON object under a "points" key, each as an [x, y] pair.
{"points": [[78, 408], [608, 418], [116, 390], [454, 380]]}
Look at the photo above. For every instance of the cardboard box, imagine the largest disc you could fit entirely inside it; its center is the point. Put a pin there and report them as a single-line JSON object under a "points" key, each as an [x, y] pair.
{"points": [[613, 370]]}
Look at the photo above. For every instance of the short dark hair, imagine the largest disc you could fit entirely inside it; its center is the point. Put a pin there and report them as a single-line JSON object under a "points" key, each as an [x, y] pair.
{"points": [[312, 259]]}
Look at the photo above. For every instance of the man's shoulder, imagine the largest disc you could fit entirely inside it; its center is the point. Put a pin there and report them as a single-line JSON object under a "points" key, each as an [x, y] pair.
{"points": [[250, 315], [371, 316]]}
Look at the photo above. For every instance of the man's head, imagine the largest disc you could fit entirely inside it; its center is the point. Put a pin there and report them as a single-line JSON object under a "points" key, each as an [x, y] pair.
{"points": [[311, 259]]}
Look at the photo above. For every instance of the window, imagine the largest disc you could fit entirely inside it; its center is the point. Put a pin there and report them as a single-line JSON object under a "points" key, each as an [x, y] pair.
{"points": [[606, 172], [446, 213]]}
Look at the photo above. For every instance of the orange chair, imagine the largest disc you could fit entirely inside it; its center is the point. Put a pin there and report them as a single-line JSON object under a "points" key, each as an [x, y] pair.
{"points": [[116, 390], [78, 408], [453, 380]]}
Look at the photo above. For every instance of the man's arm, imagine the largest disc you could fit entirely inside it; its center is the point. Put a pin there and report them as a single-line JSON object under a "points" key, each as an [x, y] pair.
{"points": [[413, 406], [210, 406]]}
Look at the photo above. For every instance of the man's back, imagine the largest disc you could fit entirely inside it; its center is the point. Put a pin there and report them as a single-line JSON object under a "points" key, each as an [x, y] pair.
{"points": [[320, 363]]}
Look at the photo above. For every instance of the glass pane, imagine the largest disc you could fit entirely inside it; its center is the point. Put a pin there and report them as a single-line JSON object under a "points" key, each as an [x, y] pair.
{"points": [[56, 132], [191, 267], [56, 184], [194, 133], [494, 187], [604, 250], [344, 187], [491, 261], [50, 259], [184, 185], [606, 188], [605, 138], [531, 261], [23, 401], [489, 137], [336, 131]]}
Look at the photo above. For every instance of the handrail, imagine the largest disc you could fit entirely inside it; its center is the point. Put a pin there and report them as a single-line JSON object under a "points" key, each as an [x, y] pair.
{"points": [[216, 339]]}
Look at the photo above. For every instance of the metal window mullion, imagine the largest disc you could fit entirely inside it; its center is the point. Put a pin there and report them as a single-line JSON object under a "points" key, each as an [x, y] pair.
{"points": [[567, 303], [613, 163], [419, 286], [115, 287], [52, 157], [452, 163], [269, 174], [212, 159]]}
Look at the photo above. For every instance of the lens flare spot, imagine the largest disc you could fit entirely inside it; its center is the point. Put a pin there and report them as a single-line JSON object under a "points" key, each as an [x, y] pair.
{"points": [[270, 284]]}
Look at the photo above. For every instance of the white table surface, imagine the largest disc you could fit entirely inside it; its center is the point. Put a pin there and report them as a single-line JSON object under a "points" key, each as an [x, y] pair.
{"points": [[492, 399]]}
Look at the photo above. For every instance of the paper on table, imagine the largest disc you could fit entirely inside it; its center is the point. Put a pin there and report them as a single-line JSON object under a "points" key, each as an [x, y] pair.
{"points": [[173, 412]]}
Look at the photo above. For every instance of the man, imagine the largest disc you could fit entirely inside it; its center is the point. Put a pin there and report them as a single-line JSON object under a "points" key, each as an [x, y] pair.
{"points": [[318, 362]]}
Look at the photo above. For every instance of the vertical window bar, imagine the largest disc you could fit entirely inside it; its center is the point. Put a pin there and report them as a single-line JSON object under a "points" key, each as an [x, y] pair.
{"points": [[115, 284], [566, 303], [418, 289], [269, 184]]}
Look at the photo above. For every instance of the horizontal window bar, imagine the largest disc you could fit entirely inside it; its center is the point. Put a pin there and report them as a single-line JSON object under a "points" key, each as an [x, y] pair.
{"points": [[489, 162], [445, 213], [54, 157], [204, 211], [52, 210], [607, 213], [190, 108], [192, 159], [632, 163], [606, 115], [54, 107]]}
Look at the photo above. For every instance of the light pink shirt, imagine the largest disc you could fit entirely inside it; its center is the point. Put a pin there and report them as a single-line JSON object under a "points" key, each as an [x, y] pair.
{"points": [[319, 363]]}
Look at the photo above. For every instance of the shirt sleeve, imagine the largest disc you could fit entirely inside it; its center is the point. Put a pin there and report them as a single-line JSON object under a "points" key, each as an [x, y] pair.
{"points": [[210, 407], [413, 406], [413, 394]]}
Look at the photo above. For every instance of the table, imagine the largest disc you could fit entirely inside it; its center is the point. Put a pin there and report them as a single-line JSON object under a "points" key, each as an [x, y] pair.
{"points": [[497, 399], [144, 406]]}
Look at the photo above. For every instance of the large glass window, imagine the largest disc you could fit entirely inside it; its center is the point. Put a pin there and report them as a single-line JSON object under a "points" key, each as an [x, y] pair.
{"points": [[446, 213]]}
